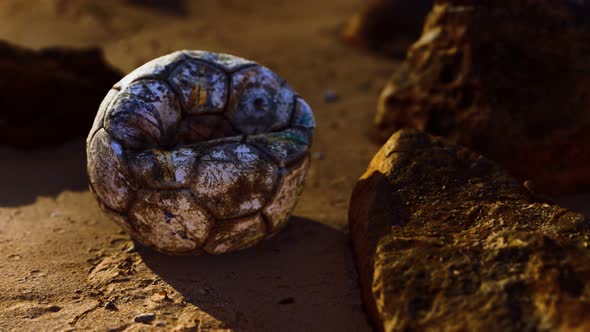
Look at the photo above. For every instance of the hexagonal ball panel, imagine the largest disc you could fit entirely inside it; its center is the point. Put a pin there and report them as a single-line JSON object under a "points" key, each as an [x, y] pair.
{"points": [[303, 116], [226, 61], [233, 180], [156, 68], [260, 101], [162, 169], [108, 172], [237, 234], [171, 220], [280, 207], [100, 114]]}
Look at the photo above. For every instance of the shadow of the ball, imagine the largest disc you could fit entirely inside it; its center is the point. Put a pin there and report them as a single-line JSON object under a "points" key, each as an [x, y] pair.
{"points": [[297, 274]]}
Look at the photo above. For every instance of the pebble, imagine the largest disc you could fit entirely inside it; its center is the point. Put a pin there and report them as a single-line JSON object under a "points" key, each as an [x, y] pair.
{"points": [[110, 306], [145, 318], [131, 248], [330, 96]]}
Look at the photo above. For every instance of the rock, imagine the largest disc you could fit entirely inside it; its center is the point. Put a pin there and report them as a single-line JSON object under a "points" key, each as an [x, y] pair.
{"points": [[387, 26], [145, 318], [445, 240], [331, 96], [110, 306], [509, 79], [50, 96]]}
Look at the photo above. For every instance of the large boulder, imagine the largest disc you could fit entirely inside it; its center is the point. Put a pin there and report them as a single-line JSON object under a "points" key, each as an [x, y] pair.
{"points": [[50, 96], [509, 79], [387, 26], [445, 240]]}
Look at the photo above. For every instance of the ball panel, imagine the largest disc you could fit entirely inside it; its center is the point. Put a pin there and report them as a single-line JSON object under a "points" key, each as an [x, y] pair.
{"points": [[100, 114], [135, 123], [162, 169], [154, 68], [171, 220], [280, 207], [203, 87], [259, 101], [159, 95], [108, 172], [125, 224], [200, 128], [303, 115], [233, 180], [237, 234], [227, 61], [285, 147]]}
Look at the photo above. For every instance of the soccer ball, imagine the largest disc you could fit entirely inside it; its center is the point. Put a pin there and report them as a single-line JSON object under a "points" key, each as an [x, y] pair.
{"points": [[200, 152]]}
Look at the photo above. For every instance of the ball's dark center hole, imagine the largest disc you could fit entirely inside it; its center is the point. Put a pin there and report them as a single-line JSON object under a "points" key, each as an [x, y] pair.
{"points": [[259, 104]]}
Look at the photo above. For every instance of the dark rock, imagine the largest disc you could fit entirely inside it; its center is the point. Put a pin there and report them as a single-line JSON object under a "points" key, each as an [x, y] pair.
{"points": [[145, 318], [445, 240], [331, 96], [50, 96], [177, 7], [110, 306], [509, 79], [388, 26]]}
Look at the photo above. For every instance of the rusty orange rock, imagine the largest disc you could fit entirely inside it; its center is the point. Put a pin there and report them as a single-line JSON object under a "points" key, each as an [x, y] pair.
{"points": [[509, 79], [445, 240]]}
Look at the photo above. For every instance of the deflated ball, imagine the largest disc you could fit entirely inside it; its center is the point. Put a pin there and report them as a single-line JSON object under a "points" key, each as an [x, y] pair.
{"points": [[197, 151]]}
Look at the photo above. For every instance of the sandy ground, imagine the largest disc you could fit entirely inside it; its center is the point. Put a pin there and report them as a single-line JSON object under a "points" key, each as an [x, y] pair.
{"points": [[61, 260]]}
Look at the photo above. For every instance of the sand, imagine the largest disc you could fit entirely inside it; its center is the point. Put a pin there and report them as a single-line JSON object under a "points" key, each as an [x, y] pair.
{"points": [[62, 261]]}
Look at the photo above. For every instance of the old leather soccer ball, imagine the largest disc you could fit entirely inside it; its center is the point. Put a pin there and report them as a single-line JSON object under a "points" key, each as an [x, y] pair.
{"points": [[198, 151]]}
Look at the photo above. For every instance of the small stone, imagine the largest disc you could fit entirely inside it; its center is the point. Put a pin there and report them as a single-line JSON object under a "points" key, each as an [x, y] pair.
{"points": [[131, 248], [288, 300], [318, 155], [330, 96], [145, 318], [110, 306]]}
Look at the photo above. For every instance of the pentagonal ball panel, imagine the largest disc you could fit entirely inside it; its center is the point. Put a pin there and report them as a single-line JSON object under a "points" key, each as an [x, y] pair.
{"points": [[202, 87], [237, 234], [260, 101], [233, 180], [284, 147], [164, 102], [108, 172], [170, 220]]}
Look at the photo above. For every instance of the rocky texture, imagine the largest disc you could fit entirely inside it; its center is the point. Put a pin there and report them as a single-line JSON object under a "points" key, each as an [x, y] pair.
{"points": [[445, 239], [50, 96], [387, 26], [508, 79]]}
